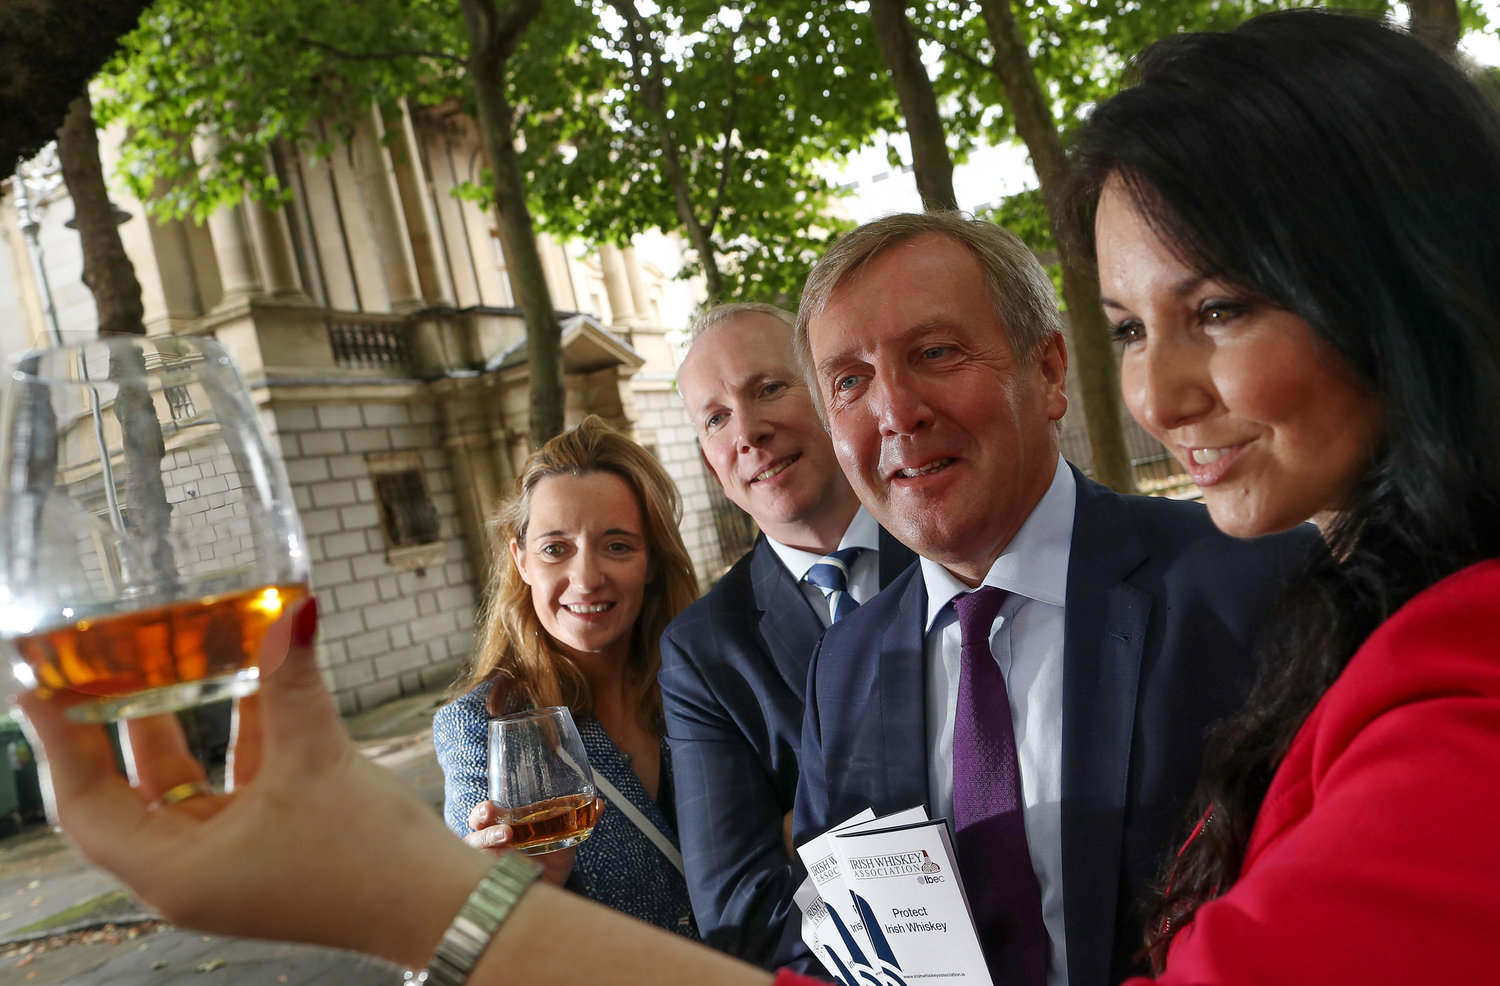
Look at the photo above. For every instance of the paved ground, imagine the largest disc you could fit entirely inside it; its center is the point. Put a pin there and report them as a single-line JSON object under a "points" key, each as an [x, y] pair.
{"points": [[63, 921]]}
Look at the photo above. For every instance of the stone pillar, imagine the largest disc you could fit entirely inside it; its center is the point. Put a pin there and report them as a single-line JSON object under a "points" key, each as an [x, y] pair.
{"points": [[558, 270], [433, 273], [644, 316], [616, 283], [272, 238], [234, 254], [31, 330], [377, 183], [478, 475]]}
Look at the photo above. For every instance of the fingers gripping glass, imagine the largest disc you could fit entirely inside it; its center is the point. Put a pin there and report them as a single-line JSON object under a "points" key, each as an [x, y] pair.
{"points": [[147, 534], [541, 780]]}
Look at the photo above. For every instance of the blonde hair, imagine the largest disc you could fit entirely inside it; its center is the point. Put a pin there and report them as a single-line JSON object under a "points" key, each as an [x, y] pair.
{"points": [[514, 652], [1025, 300]]}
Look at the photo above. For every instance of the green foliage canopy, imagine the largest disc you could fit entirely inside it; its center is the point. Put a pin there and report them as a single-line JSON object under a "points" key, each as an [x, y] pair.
{"points": [[758, 97], [254, 72]]}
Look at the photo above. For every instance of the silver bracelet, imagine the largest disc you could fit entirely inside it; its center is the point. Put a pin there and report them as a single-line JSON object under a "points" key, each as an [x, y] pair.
{"points": [[477, 921]]}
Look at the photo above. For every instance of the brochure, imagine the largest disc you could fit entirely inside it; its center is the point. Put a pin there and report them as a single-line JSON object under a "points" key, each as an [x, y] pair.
{"points": [[827, 933], [910, 902], [832, 925]]}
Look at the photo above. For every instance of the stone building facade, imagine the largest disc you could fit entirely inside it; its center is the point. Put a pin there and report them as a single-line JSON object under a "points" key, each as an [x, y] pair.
{"points": [[374, 323]]}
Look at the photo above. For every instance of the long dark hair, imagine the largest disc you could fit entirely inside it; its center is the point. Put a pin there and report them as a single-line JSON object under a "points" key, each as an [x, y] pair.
{"points": [[1342, 170]]}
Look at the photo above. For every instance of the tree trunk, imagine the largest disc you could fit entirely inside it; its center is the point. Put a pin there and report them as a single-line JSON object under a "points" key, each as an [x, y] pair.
{"points": [[493, 35], [1098, 377], [107, 271], [110, 276], [1436, 21], [643, 48], [148, 515], [924, 126]]}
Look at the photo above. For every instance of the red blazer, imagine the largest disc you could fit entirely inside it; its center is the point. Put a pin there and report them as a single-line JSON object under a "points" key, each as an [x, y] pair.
{"points": [[1375, 857]]}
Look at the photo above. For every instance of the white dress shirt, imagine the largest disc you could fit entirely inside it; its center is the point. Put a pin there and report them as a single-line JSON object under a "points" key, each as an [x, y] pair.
{"points": [[864, 576], [1027, 642]]}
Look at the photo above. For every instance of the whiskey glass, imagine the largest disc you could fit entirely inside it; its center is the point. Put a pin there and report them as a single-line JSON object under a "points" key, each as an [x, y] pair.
{"points": [[540, 779], [148, 536]]}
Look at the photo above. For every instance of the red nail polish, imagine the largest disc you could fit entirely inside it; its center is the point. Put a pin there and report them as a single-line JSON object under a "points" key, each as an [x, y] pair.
{"points": [[305, 626]]}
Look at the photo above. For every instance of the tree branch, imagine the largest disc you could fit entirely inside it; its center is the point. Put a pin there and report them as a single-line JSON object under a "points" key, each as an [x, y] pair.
{"points": [[653, 95], [951, 49], [730, 118], [371, 56], [511, 23]]}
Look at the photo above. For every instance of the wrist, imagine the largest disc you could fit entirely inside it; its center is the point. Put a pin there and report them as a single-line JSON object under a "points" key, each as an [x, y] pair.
{"points": [[473, 929], [433, 898]]}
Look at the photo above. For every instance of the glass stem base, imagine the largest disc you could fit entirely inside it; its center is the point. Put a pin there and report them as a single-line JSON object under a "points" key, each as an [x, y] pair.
{"points": [[168, 698]]}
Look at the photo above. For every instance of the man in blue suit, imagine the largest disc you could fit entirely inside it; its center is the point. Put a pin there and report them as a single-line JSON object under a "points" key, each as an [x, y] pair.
{"points": [[1058, 725], [734, 664]]}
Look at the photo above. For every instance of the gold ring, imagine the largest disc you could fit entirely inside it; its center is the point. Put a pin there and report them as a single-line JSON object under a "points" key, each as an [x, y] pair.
{"points": [[181, 792]]}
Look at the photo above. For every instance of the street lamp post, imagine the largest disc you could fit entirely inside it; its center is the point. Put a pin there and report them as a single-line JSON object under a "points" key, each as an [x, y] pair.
{"points": [[39, 178]]}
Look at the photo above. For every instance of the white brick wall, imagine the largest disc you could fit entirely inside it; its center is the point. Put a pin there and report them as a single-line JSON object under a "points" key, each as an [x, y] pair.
{"points": [[664, 423], [383, 633]]}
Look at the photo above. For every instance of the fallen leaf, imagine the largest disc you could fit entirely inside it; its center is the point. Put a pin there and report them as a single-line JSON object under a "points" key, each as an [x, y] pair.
{"points": [[33, 884], [158, 964], [210, 965]]}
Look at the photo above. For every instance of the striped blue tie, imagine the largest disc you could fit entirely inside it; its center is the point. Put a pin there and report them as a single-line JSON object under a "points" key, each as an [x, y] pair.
{"points": [[831, 574]]}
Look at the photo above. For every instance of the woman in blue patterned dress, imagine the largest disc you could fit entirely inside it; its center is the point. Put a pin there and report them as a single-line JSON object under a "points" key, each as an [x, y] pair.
{"points": [[589, 568]]}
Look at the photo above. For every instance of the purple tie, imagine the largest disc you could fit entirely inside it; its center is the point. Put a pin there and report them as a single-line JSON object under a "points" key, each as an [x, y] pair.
{"points": [[987, 818]]}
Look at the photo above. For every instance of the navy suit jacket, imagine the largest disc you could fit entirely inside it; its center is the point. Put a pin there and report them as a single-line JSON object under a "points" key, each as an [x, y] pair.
{"points": [[1160, 614], [733, 674]]}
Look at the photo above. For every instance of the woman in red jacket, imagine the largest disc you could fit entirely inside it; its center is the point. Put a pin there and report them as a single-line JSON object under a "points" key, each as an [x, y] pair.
{"points": [[1298, 232], [1297, 227]]}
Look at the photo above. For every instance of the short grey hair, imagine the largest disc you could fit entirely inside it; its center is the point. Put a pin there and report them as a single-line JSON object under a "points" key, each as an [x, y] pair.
{"points": [[1024, 298], [717, 314]]}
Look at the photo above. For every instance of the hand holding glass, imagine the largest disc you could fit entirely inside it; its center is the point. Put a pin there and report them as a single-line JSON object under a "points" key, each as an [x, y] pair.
{"points": [[147, 534], [541, 781]]}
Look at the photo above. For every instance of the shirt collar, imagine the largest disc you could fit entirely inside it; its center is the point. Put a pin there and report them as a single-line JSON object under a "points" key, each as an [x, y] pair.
{"points": [[862, 532], [1035, 562]]}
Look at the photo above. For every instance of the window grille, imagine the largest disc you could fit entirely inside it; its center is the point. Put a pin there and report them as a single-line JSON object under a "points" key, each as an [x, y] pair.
{"points": [[406, 513], [180, 402]]}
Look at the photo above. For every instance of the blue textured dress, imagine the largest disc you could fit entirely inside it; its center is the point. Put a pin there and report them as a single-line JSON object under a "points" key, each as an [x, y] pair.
{"points": [[616, 865]]}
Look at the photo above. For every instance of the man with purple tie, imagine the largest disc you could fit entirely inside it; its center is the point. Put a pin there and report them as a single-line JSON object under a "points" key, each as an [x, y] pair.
{"points": [[1044, 677]]}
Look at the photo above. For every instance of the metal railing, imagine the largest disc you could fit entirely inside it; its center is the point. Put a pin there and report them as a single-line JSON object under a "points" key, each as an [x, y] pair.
{"points": [[366, 343]]}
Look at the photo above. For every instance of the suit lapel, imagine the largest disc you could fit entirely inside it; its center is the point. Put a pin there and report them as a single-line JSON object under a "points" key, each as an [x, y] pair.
{"points": [[1106, 624], [786, 620], [902, 706]]}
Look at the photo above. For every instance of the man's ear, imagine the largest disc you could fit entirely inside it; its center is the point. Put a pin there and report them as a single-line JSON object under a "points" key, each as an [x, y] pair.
{"points": [[1052, 361]]}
